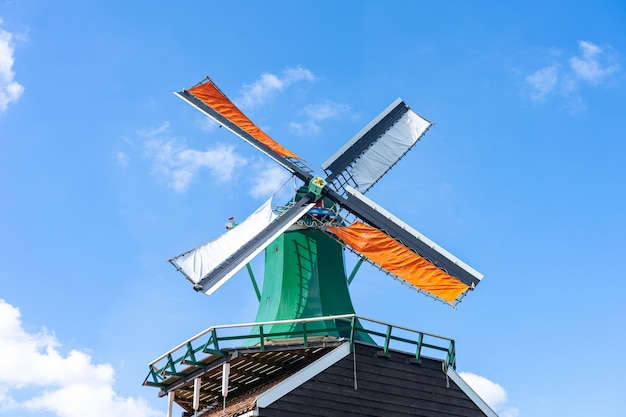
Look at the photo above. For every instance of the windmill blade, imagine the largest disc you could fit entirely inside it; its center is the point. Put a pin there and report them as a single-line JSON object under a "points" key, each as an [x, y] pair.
{"points": [[376, 148], [402, 251], [220, 263], [400, 261], [198, 262], [208, 99]]}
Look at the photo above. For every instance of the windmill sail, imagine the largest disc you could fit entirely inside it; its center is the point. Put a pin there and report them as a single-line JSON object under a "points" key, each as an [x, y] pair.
{"points": [[252, 245], [199, 262], [376, 148], [207, 98], [400, 261], [404, 251], [388, 150]]}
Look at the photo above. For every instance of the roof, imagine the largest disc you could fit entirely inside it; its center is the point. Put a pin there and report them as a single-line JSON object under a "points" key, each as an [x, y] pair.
{"points": [[299, 373], [330, 380]]}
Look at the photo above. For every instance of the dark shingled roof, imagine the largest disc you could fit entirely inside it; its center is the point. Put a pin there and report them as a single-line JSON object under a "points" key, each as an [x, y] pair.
{"points": [[362, 383]]}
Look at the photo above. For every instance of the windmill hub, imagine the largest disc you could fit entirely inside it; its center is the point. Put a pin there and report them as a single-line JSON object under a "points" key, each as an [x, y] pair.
{"points": [[316, 185]]}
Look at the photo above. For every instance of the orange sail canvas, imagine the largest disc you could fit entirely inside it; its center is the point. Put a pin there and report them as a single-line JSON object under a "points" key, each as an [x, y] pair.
{"points": [[400, 261], [210, 95]]}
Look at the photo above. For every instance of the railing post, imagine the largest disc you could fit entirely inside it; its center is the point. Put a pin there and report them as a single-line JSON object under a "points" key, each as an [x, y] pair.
{"points": [[352, 331], [418, 350], [189, 354], [213, 340], [387, 339], [155, 378], [214, 337], [171, 365], [306, 342], [451, 359], [262, 337]]}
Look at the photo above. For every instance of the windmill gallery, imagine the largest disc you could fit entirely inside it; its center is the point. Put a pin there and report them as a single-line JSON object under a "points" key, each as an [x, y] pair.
{"points": [[307, 352]]}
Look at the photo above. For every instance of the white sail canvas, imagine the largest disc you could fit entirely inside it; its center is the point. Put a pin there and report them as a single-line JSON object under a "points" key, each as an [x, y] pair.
{"points": [[388, 149], [199, 262]]}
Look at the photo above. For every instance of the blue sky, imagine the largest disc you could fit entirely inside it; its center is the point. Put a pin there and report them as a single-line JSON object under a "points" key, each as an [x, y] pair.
{"points": [[105, 174]]}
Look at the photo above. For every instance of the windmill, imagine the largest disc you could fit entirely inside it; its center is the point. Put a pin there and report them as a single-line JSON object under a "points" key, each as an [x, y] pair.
{"points": [[307, 352], [304, 240]]}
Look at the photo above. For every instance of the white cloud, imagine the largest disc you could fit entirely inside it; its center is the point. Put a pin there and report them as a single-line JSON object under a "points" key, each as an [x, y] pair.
{"points": [[326, 110], [307, 128], [593, 66], [543, 82], [178, 165], [492, 393], [268, 179], [65, 386], [268, 85], [315, 113], [155, 131], [121, 158], [10, 90]]}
